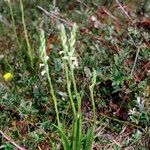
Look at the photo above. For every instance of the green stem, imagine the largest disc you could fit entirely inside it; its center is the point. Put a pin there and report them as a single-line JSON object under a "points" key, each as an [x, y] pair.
{"points": [[78, 133], [53, 95], [93, 105], [69, 89], [75, 87], [26, 34], [13, 23]]}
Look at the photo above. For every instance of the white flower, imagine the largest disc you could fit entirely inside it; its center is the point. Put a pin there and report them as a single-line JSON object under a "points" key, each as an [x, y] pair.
{"points": [[63, 95], [43, 72], [140, 103], [87, 72], [138, 100], [46, 58], [42, 65], [61, 52], [1, 57], [132, 111], [75, 62], [93, 18]]}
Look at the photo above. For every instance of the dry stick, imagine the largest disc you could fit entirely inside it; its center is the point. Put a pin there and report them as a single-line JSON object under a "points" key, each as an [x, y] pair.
{"points": [[137, 54], [119, 121], [106, 11], [11, 141], [136, 57], [84, 4], [111, 15], [54, 16], [122, 122], [61, 16], [126, 13]]}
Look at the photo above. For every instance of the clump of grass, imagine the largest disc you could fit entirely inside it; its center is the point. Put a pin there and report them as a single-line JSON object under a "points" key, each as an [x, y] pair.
{"points": [[14, 27], [77, 139]]}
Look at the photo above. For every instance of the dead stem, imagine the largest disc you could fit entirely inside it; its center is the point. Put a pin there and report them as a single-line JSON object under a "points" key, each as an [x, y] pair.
{"points": [[11, 141], [70, 24], [125, 12]]}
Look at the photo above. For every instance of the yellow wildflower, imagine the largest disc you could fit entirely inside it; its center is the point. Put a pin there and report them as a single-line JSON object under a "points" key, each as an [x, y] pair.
{"points": [[7, 76]]}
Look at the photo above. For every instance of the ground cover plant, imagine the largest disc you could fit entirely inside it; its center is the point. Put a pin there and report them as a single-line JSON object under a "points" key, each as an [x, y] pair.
{"points": [[74, 75]]}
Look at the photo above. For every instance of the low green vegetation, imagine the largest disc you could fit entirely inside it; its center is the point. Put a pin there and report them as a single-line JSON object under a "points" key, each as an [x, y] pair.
{"points": [[74, 75]]}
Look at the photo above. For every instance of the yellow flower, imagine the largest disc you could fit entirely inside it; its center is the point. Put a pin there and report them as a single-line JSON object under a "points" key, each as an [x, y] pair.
{"points": [[7, 76]]}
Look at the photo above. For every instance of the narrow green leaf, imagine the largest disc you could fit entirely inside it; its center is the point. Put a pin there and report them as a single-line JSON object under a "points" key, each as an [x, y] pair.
{"points": [[88, 140], [65, 141]]}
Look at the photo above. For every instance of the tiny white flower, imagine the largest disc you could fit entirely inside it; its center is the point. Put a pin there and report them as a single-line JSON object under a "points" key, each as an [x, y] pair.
{"points": [[62, 94], [1, 57], [138, 100], [132, 111], [43, 72], [87, 72], [61, 52], [46, 58], [93, 18], [96, 24], [75, 63], [42, 65], [140, 103]]}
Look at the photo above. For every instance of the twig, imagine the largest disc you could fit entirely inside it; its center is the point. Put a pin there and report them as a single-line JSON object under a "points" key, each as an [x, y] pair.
{"points": [[137, 54], [117, 120], [11, 141], [84, 4], [126, 13], [122, 122], [111, 15], [136, 57], [54, 16]]}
